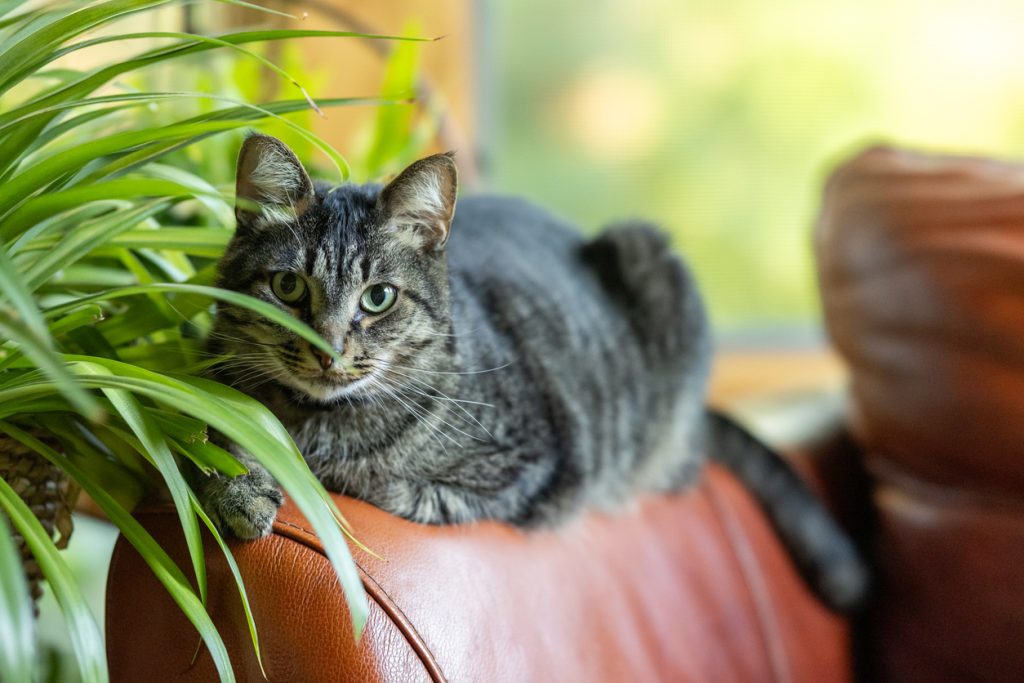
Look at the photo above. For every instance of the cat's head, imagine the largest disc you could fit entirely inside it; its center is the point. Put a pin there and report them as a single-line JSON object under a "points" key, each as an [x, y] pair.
{"points": [[363, 265]]}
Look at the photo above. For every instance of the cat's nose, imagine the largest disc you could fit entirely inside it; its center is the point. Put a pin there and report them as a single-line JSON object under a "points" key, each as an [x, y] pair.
{"points": [[322, 357]]}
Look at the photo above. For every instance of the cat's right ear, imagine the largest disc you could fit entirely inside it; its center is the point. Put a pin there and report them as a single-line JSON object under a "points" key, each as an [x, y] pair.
{"points": [[419, 204], [271, 186]]}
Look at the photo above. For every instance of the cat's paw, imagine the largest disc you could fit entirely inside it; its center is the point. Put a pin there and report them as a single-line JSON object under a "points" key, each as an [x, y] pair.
{"points": [[245, 505]]}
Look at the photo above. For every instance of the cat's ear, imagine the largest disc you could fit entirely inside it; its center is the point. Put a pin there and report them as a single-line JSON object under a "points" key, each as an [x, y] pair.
{"points": [[271, 186], [418, 205]]}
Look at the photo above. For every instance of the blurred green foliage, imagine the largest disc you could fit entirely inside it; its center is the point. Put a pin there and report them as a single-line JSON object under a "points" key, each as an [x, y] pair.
{"points": [[399, 134], [719, 119]]}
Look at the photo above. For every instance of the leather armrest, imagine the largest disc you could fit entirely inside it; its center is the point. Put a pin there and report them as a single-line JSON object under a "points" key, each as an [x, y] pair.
{"points": [[921, 262], [692, 587]]}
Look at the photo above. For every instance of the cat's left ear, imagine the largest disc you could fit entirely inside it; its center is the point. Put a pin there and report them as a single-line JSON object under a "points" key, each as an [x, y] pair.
{"points": [[418, 205]]}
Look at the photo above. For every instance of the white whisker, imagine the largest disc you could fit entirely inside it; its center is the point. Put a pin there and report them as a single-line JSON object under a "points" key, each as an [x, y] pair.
{"points": [[454, 402]]}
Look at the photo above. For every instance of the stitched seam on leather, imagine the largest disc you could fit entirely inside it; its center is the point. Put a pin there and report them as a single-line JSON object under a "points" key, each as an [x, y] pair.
{"points": [[406, 627], [380, 596], [753, 579]]}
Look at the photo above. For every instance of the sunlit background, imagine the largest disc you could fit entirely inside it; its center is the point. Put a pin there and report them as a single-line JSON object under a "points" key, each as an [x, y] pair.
{"points": [[720, 118]]}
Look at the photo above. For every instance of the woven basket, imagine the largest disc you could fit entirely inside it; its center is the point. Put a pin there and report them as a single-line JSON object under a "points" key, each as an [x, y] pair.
{"points": [[46, 490]]}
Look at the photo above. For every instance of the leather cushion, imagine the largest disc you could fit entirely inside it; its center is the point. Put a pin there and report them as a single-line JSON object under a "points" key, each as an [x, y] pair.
{"points": [[690, 587], [921, 261]]}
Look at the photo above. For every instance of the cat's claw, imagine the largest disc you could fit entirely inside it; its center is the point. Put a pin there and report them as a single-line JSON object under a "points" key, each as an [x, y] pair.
{"points": [[245, 505]]}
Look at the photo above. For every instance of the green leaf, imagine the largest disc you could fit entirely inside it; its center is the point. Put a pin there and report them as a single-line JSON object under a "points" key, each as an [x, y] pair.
{"points": [[237, 575], [118, 469], [52, 203], [37, 349], [209, 242], [86, 277], [190, 439], [98, 77], [63, 325], [191, 37], [140, 320], [8, 6], [32, 51], [56, 129], [263, 308], [244, 111], [220, 207], [13, 289], [63, 222], [297, 480], [85, 238], [17, 625], [37, 177], [86, 637], [209, 458], [154, 445]]}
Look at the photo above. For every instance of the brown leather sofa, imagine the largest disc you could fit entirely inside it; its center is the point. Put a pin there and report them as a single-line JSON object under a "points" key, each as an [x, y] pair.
{"points": [[922, 273]]}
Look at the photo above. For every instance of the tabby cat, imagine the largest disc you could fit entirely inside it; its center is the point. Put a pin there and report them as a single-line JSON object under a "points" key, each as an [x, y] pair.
{"points": [[490, 365]]}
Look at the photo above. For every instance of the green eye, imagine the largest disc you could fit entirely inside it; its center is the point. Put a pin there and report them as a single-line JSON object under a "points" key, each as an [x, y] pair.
{"points": [[378, 298], [288, 287]]}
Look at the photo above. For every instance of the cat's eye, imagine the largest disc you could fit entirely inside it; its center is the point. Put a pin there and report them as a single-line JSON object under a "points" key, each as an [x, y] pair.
{"points": [[288, 287], [378, 298]]}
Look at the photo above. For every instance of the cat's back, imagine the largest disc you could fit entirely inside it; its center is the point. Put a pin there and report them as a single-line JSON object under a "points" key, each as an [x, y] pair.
{"points": [[597, 344], [494, 231]]}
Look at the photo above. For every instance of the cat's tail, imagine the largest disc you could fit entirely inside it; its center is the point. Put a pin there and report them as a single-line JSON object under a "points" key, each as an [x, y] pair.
{"points": [[824, 554]]}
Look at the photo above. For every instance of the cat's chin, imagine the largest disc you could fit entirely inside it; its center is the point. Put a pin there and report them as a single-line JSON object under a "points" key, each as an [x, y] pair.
{"points": [[322, 391]]}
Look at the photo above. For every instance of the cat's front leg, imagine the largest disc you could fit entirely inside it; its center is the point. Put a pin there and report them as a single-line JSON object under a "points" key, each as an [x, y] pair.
{"points": [[245, 505]]}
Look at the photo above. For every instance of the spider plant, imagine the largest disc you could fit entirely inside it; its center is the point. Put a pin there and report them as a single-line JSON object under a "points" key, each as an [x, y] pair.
{"points": [[108, 240]]}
